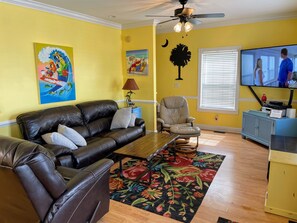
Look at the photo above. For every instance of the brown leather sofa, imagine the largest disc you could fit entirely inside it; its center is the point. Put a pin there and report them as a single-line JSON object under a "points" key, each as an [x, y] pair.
{"points": [[91, 119], [32, 189]]}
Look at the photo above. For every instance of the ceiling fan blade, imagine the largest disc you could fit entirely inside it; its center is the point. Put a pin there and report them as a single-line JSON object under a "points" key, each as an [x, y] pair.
{"points": [[169, 16], [168, 21], [195, 21], [209, 15]]}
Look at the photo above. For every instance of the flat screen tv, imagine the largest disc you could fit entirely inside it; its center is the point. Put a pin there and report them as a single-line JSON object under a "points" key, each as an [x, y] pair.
{"points": [[264, 67]]}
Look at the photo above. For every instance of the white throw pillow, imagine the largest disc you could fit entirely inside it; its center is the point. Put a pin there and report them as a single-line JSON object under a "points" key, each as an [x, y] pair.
{"points": [[73, 135], [121, 119], [132, 120], [56, 138]]}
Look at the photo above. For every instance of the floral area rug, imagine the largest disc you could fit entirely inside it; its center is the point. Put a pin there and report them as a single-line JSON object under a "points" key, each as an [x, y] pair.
{"points": [[178, 185]]}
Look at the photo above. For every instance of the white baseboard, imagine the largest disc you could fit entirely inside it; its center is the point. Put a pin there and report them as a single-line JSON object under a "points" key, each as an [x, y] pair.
{"points": [[219, 128]]}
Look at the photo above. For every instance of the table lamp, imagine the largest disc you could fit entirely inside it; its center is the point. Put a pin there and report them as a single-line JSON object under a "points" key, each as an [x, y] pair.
{"points": [[130, 85]]}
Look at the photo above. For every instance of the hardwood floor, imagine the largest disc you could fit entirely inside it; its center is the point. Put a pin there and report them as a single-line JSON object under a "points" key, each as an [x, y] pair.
{"points": [[237, 192]]}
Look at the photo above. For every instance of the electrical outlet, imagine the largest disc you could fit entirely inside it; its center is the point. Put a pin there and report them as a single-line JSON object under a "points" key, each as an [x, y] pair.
{"points": [[216, 117]]}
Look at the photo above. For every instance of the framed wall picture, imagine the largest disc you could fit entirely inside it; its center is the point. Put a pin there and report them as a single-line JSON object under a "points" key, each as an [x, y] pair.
{"points": [[137, 62], [55, 73]]}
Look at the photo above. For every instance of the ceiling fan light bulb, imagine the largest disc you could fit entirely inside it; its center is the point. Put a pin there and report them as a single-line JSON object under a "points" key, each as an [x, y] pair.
{"points": [[177, 28], [188, 27]]}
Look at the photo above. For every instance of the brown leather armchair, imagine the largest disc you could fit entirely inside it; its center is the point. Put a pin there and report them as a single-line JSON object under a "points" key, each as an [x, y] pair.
{"points": [[32, 190], [174, 110]]}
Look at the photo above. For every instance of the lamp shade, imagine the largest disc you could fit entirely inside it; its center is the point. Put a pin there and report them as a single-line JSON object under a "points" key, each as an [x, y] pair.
{"points": [[188, 27], [130, 85], [177, 28]]}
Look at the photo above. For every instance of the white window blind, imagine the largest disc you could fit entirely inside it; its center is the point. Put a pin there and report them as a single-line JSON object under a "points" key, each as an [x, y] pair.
{"points": [[218, 79]]}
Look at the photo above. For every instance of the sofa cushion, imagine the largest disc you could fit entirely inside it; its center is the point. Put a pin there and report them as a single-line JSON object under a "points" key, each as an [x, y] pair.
{"points": [[72, 135], [121, 118], [55, 138], [132, 120], [174, 110], [94, 110], [100, 125], [36, 123], [96, 149], [124, 136], [98, 115]]}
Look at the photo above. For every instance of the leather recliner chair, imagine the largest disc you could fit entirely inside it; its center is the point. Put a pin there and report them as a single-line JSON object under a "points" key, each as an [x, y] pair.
{"points": [[32, 190], [173, 110]]}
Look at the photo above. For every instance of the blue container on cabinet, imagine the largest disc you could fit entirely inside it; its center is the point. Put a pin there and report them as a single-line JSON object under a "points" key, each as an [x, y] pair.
{"points": [[137, 111]]}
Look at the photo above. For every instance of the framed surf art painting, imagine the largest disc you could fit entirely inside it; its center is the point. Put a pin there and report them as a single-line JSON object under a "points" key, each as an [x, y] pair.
{"points": [[55, 73], [137, 62]]}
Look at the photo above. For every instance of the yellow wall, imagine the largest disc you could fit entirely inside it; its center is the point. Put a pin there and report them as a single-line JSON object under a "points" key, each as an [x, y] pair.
{"points": [[246, 36], [137, 39], [100, 63], [96, 52]]}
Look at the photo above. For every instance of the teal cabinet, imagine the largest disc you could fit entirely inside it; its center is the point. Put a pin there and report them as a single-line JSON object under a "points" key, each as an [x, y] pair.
{"points": [[259, 127], [137, 111]]}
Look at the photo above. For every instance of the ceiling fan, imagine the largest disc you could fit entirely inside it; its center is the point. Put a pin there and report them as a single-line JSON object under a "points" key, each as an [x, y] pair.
{"points": [[186, 17]]}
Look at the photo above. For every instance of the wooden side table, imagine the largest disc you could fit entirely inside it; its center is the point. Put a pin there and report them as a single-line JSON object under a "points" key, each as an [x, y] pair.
{"points": [[281, 197]]}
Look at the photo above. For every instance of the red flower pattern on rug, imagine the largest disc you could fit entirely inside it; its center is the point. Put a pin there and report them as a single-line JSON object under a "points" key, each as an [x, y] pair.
{"points": [[178, 186]]}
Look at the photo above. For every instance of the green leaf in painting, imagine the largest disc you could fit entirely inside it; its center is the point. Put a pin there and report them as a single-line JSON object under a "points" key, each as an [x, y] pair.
{"points": [[138, 201]]}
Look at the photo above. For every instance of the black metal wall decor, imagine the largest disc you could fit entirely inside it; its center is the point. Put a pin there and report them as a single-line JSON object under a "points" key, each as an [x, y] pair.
{"points": [[180, 56], [165, 44]]}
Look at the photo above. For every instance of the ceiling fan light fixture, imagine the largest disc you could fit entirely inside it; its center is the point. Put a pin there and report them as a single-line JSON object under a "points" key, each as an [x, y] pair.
{"points": [[178, 27], [188, 27]]}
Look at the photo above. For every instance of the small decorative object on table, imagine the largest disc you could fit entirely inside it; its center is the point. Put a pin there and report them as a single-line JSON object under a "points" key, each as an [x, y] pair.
{"points": [[137, 111], [130, 85], [264, 99]]}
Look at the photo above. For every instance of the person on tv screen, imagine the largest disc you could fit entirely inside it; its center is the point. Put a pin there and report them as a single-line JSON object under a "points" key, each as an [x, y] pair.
{"points": [[258, 73], [285, 69]]}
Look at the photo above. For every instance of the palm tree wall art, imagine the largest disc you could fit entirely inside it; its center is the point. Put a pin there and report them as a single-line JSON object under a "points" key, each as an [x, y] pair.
{"points": [[180, 56]]}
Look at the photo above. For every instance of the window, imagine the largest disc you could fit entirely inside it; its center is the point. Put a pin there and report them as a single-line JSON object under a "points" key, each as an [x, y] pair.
{"points": [[218, 79]]}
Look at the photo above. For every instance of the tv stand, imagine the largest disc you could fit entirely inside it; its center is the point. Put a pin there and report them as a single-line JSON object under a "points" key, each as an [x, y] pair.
{"points": [[258, 126]]}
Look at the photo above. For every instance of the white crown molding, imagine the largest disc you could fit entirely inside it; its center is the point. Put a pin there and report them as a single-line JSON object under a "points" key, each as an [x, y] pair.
{"points": [[151, 22], [63, 12], [230, 23], [7, 123]]}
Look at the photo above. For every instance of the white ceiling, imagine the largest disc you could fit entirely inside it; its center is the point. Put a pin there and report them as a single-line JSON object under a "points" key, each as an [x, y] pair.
{"points": [[126, 12]]}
